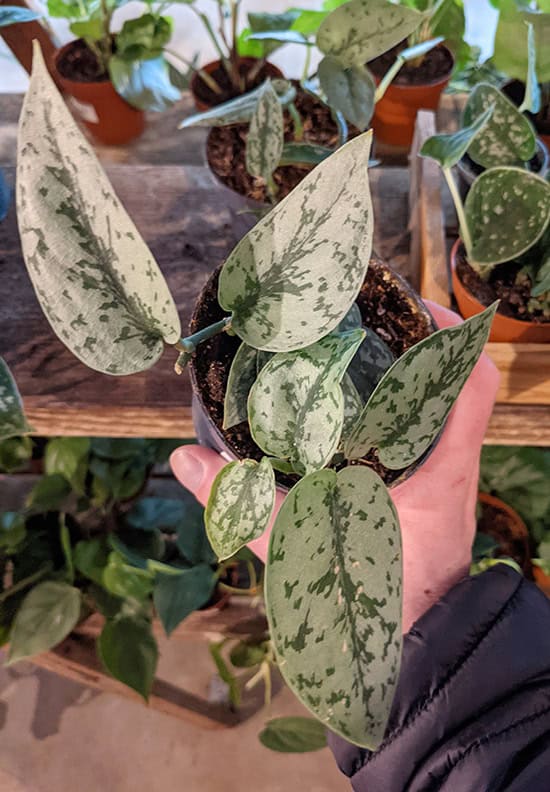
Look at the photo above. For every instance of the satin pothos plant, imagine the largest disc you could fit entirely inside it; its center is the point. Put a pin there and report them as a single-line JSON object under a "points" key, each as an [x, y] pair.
{"points": [[317, 388]]}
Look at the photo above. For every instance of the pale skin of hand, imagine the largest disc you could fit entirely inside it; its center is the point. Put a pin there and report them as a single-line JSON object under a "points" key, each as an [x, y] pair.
{"points": [[436, 506]]}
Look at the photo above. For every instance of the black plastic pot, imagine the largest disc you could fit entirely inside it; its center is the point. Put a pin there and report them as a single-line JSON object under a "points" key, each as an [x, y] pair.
{"points": [[468, 170]]}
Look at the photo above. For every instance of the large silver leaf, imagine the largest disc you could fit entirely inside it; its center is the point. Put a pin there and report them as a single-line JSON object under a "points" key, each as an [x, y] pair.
{"points": [[95, 277], [409, 405], [295, 275], [264, 144], [296, 406], [333, 596], [240, 505], [12, 417], [350, 90], [361, 30]]}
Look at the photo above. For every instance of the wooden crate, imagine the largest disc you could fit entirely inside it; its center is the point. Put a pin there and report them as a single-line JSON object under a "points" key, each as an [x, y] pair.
{"points": [[522, 411]]}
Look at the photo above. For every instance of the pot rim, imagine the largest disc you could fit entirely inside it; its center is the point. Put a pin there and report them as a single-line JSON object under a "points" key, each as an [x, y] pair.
{"points": [[428, 84], [498, 503], [67, 80]]}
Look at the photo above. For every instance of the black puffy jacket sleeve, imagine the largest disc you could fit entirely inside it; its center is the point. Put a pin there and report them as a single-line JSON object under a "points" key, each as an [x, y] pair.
{"points": [[472, 707]]}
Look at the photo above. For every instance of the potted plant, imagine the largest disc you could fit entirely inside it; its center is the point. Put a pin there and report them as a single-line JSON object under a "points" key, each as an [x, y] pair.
{"points": [[511, 56], [505, 246], [114, 77], [287, 292]]}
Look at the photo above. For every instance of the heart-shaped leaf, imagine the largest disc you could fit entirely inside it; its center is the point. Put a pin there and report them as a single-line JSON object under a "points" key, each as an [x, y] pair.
{"points": [[511, 56], [241, 109], [349, 90], [353, 406], [304, 154], [95, 278], [409, 406], [333, 598], [240, 505], [507, 210], [177, 596], [264, 144], [293, 277], [507, 138], [448, 149], [371, 361], [296, 406], [361, 30], [294, 735], [245, 367], [144, 84], [12, 417], [46, 616], [129, 652], [531, 99]]}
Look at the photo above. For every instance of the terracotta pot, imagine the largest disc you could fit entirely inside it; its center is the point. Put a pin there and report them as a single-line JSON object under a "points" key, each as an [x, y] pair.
{"points": [[208, 432], [504, 328], [109, 118], [395, 114], [518, 527], [202, 104]]}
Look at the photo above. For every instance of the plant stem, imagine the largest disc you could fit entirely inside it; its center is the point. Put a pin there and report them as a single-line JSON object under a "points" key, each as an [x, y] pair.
{"points": [[298, 125], [25, 582], [387, 79], [107, 40], [307, 64], [190, 343], [272, 189], [462, 224], [213, 38], [205, 77]]}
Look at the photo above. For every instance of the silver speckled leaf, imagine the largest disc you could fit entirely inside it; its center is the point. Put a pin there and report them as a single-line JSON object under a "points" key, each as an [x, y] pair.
{"points": [[240, 505], [448, 149], [245, 367], [353, 407], [507, 210], [532, 96], [95, 277], [296, 406], [361, 30], [241, 109], [371, 361], [409, 406], [350, 90], [507, 138], [333, 599], [264, 144], [294, 276], [12, 417]]}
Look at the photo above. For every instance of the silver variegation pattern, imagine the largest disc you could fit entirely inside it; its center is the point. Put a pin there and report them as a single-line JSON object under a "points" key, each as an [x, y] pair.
{"points": [[12, 417], [245, 367], [264, 144]]}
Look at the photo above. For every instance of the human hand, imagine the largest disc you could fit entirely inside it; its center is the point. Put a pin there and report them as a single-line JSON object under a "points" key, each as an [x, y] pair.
{"points": [[436, 506]]}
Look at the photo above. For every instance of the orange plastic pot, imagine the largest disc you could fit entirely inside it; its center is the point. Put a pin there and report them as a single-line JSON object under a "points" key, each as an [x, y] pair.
{"points": [[109, 118], [504, 328], [395, 114], [202, 104]]}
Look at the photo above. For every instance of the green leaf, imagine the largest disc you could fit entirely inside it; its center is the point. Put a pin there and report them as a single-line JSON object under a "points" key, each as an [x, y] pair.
{"points": [[304, 154], [177, 596], [47, 615], [264, 144], [448, 149], [353, 406], [245, 367], [12, 530], [143, 37], [507, 210], [280, 37], [247, 654], [240, 505], [531, 100], [11, 15], [266, 23], [65, 542], [241, 109], [296, 406], [125, 581], [129, 652], [88, 29], [361, 30], [15, 452], [114, 448], [350, 90], [12, 417], [307, 258], [91, 557], [333, 599], [507, 138], [95, 278], [511, 53], [151, 514], [59, 9], [371, 361], [411, 402], [225, 673], [48, 494], [68, 457], [308, 21], [294, 735], [144, 84]]}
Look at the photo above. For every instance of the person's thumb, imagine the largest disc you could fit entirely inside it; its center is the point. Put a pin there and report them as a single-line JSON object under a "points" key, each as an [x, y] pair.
{"points": [[196, 467]]}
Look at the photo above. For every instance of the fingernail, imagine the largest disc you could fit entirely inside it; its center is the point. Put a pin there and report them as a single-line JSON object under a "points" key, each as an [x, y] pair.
{"points": [[188, 468]]}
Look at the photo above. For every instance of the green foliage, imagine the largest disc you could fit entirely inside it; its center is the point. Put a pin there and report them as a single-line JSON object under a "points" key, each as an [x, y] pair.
{"points": [[448, 149], [49, 494], [511, 48], [129, 652], [264, 144], [177, 596], [245, 367], [349, 90], [12, 531], [15, 452], [531, 100], [144, 37], [68, 457], [294, 735], [241, 109], [12, 417], [145, 84]]}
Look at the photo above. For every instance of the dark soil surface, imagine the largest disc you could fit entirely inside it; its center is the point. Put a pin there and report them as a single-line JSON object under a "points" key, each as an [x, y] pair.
{"points": [[78, 63], [515, 90], [226, 149], [435, 65], [497, 524], [250, 80], [385, 308], [514, 297]]}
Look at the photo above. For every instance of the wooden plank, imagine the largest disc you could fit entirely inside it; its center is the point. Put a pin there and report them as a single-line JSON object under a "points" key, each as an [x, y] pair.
{"points": [[524, 371], [519, 424]]}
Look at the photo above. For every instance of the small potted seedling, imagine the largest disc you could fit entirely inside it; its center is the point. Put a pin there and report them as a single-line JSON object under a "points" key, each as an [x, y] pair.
{"points": [[311, 381], [504, 250], [114, 77], [268, 156]]}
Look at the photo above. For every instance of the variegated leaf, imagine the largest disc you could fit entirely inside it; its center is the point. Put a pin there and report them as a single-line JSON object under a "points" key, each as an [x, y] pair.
{"points": [[351, 320], [95, 277], [241, 109], [349, 90], [12, 417], [240, 505], [245, 367], [361, 30], [531, 99], [507, 210], [264, 144], [411, 402], [333, 598], [448, 149], [507, 138], [296, 406], [353, 406], [371, 361], [293, 277], [306, 155]]}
